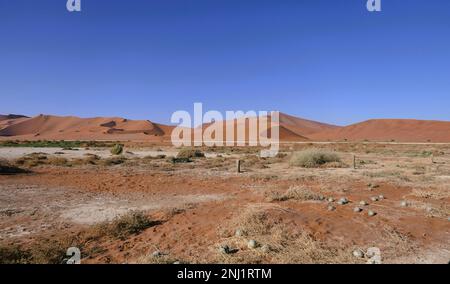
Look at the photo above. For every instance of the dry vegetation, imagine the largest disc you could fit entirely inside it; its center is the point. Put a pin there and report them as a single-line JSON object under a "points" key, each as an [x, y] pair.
{"points": [[299, 193], [313, 158], [53, 251], [277, 241]]}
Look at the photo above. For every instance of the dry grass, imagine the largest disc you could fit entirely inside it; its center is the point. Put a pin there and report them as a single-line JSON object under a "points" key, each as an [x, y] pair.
{"points": [[162, 259], [42, 251], [122, 227], [112, 161], [314, 158], [32, 160], [286, 243], [57, 161], [389, 174], [431, 193], [395, 244], [190, 154], [299, 193]]}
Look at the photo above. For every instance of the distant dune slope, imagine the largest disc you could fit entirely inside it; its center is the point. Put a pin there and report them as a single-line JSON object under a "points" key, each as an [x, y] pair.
{"points": [[10, 119], [11, 116], [290, 128], [399, 130], [303, 127], [67, 128]]}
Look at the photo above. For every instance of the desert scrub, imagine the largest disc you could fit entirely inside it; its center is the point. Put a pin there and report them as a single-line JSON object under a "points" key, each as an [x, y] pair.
{"points": [[299, 193], [112, 161], [255, 162], [7, 169], [32, 160], [117, 149], [122, 227], [285, 242], [151, 158], [190, 153], [313, 158], [14, 254], [90, 159], [41, 251], [58, 161], [176, 160]]}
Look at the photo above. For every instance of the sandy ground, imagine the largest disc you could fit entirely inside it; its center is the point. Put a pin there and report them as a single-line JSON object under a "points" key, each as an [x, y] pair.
{"points": [[198, 205], [17, 152]]}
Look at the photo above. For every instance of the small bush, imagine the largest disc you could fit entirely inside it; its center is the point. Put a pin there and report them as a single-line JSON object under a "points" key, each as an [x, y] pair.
{"points": [[157, 157], [42, 251], [112, 161], [50, 251], [58, 161], [90, 159], [299, 193], [190, 153], [14, 254], [180, 160], [7, 169], [124, 226], [32, 160], [313, 158], [117, 149]]}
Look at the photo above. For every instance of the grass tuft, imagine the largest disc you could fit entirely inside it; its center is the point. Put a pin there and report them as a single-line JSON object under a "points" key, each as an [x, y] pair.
{"points": [[313, 158]]}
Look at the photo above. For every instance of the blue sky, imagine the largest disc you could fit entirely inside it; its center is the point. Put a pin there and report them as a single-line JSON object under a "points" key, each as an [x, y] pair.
{"points": [[325, 60]]}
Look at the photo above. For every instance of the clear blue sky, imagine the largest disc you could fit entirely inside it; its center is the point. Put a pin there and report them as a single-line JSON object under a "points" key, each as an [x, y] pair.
{"points": [[325, 60]]}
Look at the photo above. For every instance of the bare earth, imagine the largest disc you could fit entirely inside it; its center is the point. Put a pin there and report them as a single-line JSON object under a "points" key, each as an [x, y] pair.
{"points": [[203, 205]]}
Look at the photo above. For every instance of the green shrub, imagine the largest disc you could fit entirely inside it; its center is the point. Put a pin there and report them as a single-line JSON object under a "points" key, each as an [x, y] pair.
{"points": [[313, 158], [117, 149]]}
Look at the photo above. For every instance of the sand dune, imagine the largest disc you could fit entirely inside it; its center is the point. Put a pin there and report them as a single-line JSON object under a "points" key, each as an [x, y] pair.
{"points": [[10, 119], [71, 127], [291, 129], [304, 127], [11, 116], [398, 130]]}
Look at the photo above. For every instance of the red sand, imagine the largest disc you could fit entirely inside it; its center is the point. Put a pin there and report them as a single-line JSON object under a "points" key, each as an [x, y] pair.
{"points": [[387, 130]]}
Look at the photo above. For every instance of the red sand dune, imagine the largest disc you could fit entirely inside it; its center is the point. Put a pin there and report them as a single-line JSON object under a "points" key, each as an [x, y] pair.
{"points": [[386, 130], [303, 127], [11, 116], [8, 120], [291, 129], [75, 128]]}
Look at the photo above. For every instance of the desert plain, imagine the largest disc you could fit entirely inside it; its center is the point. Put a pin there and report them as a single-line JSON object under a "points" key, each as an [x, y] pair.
{"points": [[331, 195]]}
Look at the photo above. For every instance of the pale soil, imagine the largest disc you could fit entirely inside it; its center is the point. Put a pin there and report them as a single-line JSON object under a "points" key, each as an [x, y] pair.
{"points": [[17, 152], [208, 199]]}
